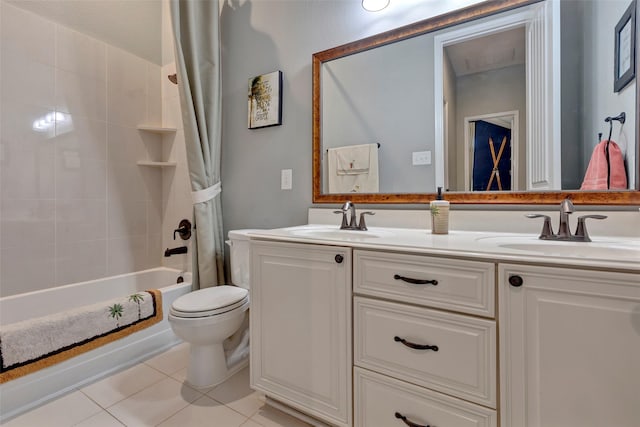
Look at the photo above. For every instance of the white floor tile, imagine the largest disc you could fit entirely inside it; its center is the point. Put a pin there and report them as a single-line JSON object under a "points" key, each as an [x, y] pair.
{"points": [[63, 412], [154, 404], [236, 393], [122, 385], [268, 416], [250, 423], [103, 419], [205, 412], [172, 360]]}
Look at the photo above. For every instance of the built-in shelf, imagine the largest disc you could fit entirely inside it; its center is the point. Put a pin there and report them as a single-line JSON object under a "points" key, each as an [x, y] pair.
{"points": [[157, 164], [159, 133], [157, 129]]}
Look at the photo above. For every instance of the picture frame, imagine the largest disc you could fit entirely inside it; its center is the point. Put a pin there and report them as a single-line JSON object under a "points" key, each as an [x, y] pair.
{"points": [[625, 49], [265, 100]]}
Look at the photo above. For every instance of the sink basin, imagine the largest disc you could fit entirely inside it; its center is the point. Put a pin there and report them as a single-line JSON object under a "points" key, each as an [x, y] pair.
{"points": [[333, 232], [337, 234], [576, 250], [622, 250]]}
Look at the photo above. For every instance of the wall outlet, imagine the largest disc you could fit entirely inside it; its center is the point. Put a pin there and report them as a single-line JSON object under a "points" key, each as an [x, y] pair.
{"points": [[421, 158], [286, 179]]}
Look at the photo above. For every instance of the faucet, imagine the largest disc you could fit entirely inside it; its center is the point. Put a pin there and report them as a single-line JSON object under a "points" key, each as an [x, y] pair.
{"points": [[564, 232], [175, 251], [566, 209], [352, 223]]}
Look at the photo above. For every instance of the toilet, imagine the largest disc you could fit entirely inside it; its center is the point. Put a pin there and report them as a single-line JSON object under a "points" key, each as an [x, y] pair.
{"points": [[206, 318]]}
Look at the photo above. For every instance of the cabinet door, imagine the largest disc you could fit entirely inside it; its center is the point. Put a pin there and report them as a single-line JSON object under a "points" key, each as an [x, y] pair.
{"points": [[301, 327], [569, 347]]}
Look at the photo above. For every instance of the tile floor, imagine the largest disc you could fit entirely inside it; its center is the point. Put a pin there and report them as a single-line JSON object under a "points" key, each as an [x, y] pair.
{"points": [[153, 393]]}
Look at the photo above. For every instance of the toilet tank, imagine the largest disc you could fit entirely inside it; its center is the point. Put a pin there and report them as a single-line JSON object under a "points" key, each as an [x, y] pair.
{"points": [[239, 257]]}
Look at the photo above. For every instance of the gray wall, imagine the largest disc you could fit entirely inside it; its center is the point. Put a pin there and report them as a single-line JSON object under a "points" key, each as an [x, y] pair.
{"points": [[452, 183], [362, 96], [262, 36]]}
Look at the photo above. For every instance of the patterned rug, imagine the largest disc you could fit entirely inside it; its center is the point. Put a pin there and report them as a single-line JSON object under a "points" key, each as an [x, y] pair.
{"points": [[35, 344]]}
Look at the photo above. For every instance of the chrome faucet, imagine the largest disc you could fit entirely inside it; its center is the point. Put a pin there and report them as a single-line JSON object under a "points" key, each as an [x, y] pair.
{"points": [[352, 223], [564, 232]]}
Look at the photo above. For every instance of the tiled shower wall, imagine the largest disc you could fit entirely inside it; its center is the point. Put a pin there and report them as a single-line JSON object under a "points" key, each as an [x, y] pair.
{"points": [[74, 205]]}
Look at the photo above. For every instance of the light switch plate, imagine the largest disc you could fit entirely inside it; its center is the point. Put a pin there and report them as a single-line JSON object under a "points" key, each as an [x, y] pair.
{"points": [[286, 179], [421, 158]]}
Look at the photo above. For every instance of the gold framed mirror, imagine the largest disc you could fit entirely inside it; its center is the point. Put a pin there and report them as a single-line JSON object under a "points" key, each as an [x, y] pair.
{"points": [[478, 12]]}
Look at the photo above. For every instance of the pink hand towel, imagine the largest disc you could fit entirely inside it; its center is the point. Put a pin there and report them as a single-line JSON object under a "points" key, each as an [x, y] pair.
{"points": [[596, 176]]}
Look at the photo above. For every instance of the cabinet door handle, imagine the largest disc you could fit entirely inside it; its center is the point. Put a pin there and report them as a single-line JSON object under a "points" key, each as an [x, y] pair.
{"points": [[415, 281], [339, 258], [409, 423], [414, 345], [515, 281]]}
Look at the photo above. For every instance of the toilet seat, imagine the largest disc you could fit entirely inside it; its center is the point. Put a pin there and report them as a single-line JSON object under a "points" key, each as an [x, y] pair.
{"points": [[210, 301]]}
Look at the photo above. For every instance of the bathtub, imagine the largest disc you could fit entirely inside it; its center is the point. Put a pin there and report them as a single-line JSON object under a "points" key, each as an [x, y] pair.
{"points": [[29, 391]]}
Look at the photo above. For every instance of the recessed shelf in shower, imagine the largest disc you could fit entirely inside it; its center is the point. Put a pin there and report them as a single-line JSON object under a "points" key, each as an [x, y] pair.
{"points": [[159, 133]]}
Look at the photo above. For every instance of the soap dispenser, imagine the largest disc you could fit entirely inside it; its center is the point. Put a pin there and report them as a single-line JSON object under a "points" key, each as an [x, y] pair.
{"points": [[439, 214]]}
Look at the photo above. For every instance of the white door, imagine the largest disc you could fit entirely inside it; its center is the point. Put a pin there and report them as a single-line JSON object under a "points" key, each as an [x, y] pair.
{"points": [[301, 327], [569, 347]]}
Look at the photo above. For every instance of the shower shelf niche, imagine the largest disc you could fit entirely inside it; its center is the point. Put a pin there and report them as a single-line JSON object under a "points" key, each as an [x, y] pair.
{"points": [[157, 129], [159, 133], [156, 164]]}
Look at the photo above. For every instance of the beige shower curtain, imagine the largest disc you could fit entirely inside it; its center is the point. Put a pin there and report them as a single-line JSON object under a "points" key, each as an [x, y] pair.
{"points": [[197, 48]]}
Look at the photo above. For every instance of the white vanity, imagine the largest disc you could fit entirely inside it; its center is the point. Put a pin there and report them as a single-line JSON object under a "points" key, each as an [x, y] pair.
{"points": [[399, 327]]}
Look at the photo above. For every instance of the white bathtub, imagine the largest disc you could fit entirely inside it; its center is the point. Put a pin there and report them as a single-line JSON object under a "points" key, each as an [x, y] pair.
{"points": [[31, 390]]}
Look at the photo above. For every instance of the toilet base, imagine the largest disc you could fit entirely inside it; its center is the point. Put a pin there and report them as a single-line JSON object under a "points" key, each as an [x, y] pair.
{"points": [[208, 366]]}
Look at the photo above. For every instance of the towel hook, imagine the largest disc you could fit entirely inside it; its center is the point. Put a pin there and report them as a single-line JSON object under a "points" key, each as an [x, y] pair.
{"points": [[620, 118]]}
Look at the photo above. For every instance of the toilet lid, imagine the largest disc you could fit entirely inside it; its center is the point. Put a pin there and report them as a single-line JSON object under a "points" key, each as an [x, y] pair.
{"points": [[209, 301]]}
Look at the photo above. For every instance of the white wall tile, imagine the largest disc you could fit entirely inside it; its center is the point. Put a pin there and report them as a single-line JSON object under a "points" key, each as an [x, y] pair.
{"points": [[81, 96], [74, 205], [26, 81], [80, 261], [26, 33], [127, 254], [154, 95], [27, 269], [27, 223], [80, 220], [81, 54], [80, 177], [127, 218]]}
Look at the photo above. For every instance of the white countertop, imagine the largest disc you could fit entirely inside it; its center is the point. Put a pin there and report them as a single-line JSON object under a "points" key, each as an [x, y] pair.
{"points": [[602, 253]]}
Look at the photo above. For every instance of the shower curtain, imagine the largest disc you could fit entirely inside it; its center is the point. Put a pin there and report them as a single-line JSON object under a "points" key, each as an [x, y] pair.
{"points": [[197, 49]]}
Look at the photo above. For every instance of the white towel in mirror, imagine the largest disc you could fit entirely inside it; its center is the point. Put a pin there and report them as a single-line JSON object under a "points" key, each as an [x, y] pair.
{"points": [[353, 169]]}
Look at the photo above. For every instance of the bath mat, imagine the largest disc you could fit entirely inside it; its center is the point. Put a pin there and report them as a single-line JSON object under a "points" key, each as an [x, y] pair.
{"points": [[35, 344]]}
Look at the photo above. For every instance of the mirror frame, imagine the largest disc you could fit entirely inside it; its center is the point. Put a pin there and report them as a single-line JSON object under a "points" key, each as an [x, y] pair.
{"points": [[480, 10]]}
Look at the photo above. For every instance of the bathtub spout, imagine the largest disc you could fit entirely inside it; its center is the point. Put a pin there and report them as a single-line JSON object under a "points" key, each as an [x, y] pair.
{"points": [[175, 251]]}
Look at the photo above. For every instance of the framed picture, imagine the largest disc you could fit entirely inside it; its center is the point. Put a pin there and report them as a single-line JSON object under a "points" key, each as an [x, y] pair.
{"points": [[265, 100], [625, 49]]}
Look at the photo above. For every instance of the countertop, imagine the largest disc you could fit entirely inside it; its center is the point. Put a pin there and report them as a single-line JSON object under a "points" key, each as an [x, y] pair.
{"points": [[617, 253]]}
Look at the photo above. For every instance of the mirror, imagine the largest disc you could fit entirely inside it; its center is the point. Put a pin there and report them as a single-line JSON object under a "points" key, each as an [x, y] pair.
{"points": [[408, 109]]}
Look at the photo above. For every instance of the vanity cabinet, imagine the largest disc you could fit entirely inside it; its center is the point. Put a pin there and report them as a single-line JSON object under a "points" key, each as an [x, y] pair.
{"points": [[570, 347], [301, 353], [416, 364]]}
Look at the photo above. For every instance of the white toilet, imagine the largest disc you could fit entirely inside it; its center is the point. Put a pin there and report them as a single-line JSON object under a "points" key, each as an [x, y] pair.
{"points": [[207, 317]]}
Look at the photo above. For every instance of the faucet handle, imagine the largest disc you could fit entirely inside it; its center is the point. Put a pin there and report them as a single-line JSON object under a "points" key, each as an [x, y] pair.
{"points": [[363, 225], [547, 230], [581, 230], [344, 218]]}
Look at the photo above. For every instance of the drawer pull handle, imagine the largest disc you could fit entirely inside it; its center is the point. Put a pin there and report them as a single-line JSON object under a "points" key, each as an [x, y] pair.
{"points": [[415, 281], [407, 422], [415, 346]]}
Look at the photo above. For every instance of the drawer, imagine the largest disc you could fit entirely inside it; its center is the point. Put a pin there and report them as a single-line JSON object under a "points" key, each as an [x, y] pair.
{"points": [[464, 364], [378, 399], [465, 286]]}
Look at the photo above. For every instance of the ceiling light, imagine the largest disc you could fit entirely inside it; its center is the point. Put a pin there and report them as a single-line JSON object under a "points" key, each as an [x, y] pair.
{"points": [[374, 5]]}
